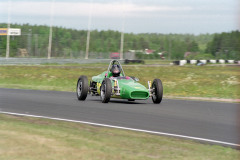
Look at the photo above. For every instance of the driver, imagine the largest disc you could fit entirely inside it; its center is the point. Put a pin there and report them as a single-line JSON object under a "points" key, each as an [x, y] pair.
{"points": [[115, 70]]}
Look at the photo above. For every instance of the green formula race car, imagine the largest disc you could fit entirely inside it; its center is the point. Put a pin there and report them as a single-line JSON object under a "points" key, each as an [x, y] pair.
{"points": [[113, 83]]}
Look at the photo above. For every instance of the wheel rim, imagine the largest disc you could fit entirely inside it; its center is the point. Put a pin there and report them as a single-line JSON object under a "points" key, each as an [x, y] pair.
{"points": [[79, 88], [103, 89]]}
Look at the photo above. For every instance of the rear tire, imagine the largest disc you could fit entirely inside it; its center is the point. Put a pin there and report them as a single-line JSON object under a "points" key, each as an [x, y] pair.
{"points": [[157, 91], [106, 90], [82, 88]]}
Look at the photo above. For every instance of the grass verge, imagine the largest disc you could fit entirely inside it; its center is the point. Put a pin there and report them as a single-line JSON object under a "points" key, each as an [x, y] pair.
{"points": [[25, 138], [186, 81]]}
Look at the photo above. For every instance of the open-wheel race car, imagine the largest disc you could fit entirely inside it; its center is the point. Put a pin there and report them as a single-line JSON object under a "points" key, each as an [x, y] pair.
{"points": [[113, 83]]}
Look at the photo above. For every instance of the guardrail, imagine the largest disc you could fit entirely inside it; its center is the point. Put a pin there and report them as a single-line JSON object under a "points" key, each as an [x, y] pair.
{"points": [[35, 61]]}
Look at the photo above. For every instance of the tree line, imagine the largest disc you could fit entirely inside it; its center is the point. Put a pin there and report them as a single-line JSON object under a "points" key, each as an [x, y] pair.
{"points": [[225, 45], [72, 42]]}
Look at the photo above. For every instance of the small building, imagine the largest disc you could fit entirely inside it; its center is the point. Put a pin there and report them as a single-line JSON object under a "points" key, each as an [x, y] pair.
{"points": [[148, 51]]}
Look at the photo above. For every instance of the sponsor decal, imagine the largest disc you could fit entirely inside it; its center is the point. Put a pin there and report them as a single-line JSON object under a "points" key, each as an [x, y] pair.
{"points": [[137, 87], [3, 31]]}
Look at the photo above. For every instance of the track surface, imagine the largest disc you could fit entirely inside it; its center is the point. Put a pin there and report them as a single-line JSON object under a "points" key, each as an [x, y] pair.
{"points": [[209, 120]]}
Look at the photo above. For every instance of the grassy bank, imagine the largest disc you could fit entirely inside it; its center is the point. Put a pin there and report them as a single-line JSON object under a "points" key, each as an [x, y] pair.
{"points": [[25, 138], [193, 81]]}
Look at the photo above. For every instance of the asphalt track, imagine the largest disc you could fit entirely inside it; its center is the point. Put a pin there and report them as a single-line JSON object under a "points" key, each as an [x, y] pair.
{"points": [[204, 121]]}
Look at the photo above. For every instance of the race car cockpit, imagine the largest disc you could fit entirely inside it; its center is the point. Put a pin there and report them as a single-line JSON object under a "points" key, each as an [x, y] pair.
{"points": [[115, 69]]}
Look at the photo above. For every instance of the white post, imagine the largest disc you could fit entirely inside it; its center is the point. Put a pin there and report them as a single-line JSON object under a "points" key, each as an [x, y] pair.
{"points": [[87, 45], [121, 47], [122, 33], [50, 43], [8, 36], [50, 31], [8, 42], [89, 32]]}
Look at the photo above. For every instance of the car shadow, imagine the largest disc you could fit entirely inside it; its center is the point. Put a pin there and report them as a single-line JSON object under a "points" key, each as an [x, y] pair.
{"points": [[125, 102], [120, 101]]}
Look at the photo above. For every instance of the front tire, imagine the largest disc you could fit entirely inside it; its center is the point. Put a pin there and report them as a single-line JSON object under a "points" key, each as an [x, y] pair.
{"points": [[157, 91], [82, 88], [106, 90]]}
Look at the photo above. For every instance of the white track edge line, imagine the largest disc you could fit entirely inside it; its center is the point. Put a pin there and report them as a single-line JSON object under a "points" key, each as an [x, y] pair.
{"points": [[124, 128]]}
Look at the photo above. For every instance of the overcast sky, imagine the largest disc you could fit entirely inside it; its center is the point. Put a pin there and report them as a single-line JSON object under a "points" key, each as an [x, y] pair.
{"points": [[138, 16]]}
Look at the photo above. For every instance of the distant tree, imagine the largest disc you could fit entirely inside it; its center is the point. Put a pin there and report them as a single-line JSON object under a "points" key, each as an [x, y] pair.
{"points": [[225, 45]]}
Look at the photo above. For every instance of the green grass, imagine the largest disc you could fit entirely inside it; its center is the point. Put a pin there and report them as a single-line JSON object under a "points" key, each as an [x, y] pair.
{"points": [[25, 138], [186, 81]]}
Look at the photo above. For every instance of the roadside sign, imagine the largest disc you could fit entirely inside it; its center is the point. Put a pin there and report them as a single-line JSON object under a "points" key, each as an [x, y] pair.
{"points": [[14, 32], [3, 31]]}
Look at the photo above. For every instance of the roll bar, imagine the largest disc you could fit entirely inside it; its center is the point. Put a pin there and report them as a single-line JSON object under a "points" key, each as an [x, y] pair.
{"points": [[118, 63]]}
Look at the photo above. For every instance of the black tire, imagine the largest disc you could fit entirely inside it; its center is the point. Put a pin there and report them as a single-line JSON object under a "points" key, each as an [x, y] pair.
{"points": [[106, 90], [82, 88], [157, 91]]}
